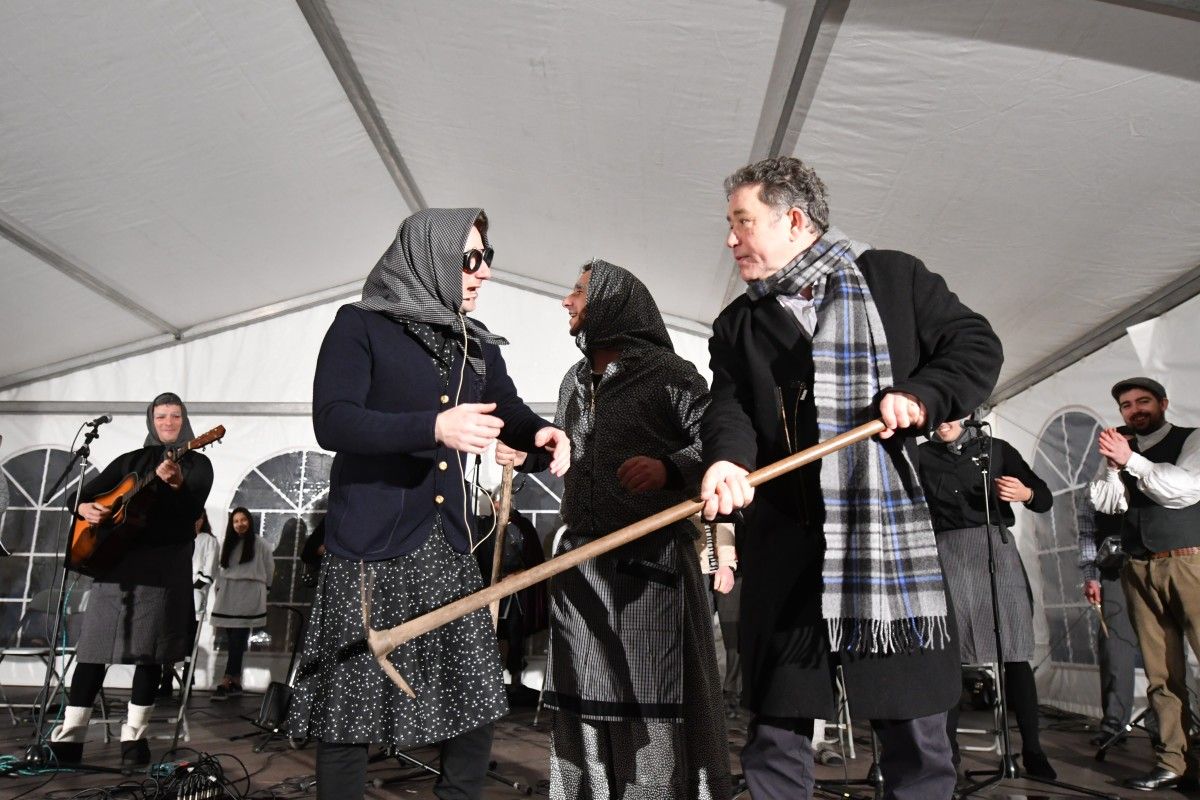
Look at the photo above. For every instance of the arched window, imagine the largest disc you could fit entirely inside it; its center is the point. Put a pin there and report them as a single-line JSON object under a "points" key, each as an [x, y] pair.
{"points": [[34, 530], [1067, 459]]}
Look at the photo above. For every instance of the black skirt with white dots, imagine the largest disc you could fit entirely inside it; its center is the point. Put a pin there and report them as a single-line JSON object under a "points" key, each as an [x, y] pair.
{"points": [[341, 694]]}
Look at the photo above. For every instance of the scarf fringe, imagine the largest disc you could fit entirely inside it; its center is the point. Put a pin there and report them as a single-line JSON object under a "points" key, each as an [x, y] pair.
{"points": [[861, 636]]}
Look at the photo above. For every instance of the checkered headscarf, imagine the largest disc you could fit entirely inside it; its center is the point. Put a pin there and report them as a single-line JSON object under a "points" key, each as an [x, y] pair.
{"points": [[621, 312], [883, 584], [419, 278]]}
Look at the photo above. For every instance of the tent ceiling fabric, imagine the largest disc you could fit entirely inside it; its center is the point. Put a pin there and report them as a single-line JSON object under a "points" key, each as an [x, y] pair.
{"points": [[202, 158], [586, 130], [40, 302], [199, 157], [1044, 157]]}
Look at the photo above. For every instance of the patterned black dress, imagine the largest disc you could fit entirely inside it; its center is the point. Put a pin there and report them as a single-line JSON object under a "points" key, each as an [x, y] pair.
{"points": [[341, 694]]}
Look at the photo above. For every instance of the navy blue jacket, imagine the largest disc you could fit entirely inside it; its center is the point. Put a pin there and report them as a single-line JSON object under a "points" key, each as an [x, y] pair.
{"points": [[376, 395]]}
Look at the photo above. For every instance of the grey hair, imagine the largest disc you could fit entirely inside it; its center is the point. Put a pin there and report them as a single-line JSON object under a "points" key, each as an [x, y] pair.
{"points": [[785, 182]]}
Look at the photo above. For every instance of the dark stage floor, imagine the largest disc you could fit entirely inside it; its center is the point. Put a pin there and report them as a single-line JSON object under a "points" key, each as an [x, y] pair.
{"points": [[521, 754]]}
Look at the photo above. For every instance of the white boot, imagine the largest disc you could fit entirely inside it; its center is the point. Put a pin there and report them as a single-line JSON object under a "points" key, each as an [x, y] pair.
{"points": [[135, 752], [66, 740], [74, 726], [137, 720]]}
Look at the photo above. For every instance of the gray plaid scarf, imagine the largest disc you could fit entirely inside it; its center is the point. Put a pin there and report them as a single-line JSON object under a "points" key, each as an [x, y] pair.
{"points": [[883, 584]]}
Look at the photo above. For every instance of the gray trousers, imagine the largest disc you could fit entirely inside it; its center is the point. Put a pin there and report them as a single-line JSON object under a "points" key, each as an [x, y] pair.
{"points": [[1117, 655], [914, 757]]}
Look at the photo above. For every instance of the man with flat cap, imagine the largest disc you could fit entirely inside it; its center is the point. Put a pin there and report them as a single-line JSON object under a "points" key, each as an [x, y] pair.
{"points": [[1153, 481]]}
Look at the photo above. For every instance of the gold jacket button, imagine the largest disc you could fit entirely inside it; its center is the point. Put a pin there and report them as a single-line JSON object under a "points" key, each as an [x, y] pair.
{"points": [[445, 398], [442, 465], [439, 499]]}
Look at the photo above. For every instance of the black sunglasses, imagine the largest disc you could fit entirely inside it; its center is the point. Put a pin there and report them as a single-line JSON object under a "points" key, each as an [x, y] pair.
{"points": [[474, 259]]}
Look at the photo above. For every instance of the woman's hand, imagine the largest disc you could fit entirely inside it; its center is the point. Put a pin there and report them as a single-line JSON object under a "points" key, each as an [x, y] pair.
{"points": [[723, 580], [94, 513], [170, 474], [468, 428], [1011, 490]]}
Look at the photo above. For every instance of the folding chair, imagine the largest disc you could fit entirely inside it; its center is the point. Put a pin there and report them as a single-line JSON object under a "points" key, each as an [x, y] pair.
{"points": [[984, 674], [30, 642]]}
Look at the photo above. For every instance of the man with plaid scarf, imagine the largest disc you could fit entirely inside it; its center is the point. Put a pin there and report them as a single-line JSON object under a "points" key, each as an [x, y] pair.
{"points": [[840, 565]]}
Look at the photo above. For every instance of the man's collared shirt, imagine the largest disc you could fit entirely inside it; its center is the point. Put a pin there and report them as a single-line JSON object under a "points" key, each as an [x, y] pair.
{"points": [[1170, 485]]}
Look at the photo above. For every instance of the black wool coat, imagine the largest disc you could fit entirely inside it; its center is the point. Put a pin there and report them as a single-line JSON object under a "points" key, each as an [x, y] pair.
{"points": [[761, 410]]}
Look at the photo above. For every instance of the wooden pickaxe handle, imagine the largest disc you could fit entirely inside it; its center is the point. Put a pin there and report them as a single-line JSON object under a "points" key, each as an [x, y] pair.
{"points": [[502, 515], [382, 643]]}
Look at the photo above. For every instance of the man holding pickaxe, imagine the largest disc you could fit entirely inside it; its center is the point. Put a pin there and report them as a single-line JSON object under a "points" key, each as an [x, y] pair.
{"points": [[839, 560]]}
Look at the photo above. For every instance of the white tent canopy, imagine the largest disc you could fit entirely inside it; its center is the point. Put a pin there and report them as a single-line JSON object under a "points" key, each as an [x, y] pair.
{"points": [[189, 187], [171, 169]]}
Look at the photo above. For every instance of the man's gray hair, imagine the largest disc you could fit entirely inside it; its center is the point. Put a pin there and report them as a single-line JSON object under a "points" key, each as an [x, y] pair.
{"points": [[786, 182]]}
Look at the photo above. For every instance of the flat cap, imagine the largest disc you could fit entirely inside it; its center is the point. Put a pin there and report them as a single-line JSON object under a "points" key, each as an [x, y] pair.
{"points": [[1149, 384]]}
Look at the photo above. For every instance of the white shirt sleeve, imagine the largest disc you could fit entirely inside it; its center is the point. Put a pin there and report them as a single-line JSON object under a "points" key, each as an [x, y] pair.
{"points": [[1108, 494], [204, 558], [1170, 485]]}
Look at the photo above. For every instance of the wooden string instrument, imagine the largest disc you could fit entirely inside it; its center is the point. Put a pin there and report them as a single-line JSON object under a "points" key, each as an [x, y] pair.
{"points": [[96, 549]]}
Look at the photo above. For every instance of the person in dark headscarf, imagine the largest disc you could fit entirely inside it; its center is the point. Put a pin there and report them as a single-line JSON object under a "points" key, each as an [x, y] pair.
{"points": [[406, 385], [633, 674], [140, 612], [949, 469]]}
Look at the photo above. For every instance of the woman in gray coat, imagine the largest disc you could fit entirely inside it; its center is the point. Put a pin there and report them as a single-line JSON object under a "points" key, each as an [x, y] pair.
{"points": [[247, 566]]}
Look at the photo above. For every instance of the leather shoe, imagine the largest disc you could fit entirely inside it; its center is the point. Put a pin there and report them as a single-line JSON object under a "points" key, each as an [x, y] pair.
{"points": [[1157, 778]]}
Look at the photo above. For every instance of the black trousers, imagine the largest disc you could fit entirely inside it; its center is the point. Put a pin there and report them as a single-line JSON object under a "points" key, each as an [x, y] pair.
{"points": [[342, 768], [88, 678], [237, 640]]}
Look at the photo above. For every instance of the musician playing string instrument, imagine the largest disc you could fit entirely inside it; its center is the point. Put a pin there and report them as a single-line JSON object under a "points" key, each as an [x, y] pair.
{"points": [[140, 611]]}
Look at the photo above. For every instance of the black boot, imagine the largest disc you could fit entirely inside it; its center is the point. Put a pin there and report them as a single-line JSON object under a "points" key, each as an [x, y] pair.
{"points": [[66, 752], [1036, 764], [135, 754]]}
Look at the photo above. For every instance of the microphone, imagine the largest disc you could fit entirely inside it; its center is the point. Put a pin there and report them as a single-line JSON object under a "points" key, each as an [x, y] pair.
{"points": [[100, 420], [973, 423]]}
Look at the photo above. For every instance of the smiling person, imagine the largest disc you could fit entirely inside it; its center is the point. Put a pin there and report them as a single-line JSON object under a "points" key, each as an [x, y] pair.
{"points": [[141, 611], [246, 568], [406, 386], [1154, 484], [633, 674], [830, 335]]}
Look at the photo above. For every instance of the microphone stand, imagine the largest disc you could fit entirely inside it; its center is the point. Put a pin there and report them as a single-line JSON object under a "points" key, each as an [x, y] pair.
{"points": [[1007, 769], [38, 753]]}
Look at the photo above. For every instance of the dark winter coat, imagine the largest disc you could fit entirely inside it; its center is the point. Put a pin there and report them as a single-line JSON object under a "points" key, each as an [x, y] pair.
{"points": [[761, 358], [376, 396]]}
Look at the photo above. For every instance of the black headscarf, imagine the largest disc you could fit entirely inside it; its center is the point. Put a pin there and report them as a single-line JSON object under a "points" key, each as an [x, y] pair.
{"points": [[620, 312], [419, 278], [185, 431]]}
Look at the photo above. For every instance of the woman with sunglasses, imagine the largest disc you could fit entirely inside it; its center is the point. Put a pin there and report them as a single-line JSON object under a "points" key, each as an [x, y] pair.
{"points": [[406, 385]]}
